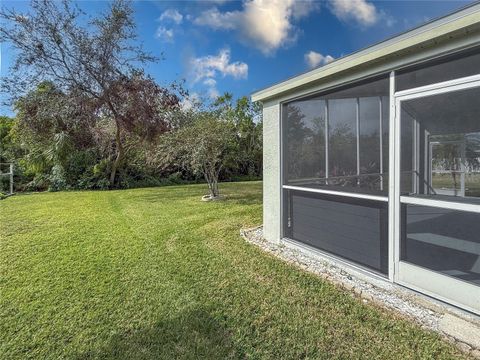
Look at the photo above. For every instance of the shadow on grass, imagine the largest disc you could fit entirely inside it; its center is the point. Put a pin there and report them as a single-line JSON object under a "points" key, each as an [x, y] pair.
{"points": [[192, 335], [249, 196], [172, 193], [244, 198]]}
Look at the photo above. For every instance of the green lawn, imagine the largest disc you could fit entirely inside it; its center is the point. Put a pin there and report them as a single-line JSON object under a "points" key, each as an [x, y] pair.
{"points": [[157, 274]]}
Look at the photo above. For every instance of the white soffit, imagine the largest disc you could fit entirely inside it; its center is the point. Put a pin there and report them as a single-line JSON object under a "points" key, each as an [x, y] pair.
{"points": [[461, 20]]}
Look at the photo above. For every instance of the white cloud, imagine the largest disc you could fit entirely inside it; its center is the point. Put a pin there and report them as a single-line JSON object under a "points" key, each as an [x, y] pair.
{"points": [[361, 11], [191, 101], [213, 93], [165, 34], [314, 59], [264, 24], [210, 82], [207, 68], [173, 15], [211, 65], [217, 20], [304, 8], [268, 24]]}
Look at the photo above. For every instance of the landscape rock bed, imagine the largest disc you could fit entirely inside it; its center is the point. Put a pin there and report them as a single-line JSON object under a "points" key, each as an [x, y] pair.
{"points": [[456, 326]]}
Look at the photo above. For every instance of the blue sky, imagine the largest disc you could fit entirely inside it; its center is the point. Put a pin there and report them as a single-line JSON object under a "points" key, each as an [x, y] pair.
{"points": [[243, 46]]}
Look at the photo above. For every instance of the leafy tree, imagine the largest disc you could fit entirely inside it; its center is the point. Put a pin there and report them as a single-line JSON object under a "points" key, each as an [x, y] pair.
{"points": [[10, 152], [94, 62], [7, 147], [204, 146], [50, 125], [246, 118]]}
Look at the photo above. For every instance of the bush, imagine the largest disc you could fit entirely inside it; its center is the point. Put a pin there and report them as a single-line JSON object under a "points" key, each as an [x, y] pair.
{"points": [[57, 179], [174, 179], [4, 183], [39, 183]]}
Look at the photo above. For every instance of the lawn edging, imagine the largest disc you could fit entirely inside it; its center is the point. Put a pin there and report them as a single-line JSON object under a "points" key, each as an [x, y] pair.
{"points": [[454, 325]]}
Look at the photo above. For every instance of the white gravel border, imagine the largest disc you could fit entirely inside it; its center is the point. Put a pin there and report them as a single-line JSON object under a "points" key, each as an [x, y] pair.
{"points": [[461, 328]]}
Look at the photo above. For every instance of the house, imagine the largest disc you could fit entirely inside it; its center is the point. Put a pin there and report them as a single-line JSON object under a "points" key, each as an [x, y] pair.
{"points": [[373, 160]]}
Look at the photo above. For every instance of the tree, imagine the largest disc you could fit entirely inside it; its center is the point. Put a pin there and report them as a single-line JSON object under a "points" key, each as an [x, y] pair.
{"points": [[51, 126], [7, 147], [50, 123], [94, 62], [204, 146], [143, 109], [246, 118]]}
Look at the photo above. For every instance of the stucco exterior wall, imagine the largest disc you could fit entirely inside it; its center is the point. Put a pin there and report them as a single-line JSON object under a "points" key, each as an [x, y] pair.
{"points": [[271, 171]]}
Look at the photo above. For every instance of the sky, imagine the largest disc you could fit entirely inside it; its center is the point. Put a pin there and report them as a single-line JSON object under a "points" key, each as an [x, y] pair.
{"points": [[243, 46]]}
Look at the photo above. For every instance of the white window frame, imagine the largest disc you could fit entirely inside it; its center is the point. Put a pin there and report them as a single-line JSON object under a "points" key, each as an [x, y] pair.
{"points": [[393, 194], [359, 195], [326, 191], [466, 295], [337, 193]]}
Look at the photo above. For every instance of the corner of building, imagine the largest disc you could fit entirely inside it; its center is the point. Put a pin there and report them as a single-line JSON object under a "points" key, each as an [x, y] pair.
{"points": [[271, 171]]}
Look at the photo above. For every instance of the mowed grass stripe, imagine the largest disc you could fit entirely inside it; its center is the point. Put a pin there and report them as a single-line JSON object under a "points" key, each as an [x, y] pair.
{"points": [[157, 274]]}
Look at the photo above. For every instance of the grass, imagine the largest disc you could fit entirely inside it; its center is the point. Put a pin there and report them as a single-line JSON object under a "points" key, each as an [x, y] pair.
{"points": [[446, 181], [157, 274]]}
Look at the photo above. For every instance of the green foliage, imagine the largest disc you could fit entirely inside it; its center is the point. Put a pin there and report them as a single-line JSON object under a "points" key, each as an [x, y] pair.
{"points": [[40, 182], [247, 121], [57, 179], [221, 143], [11, 152], [71, 72], [86, 111], [56, 148], [7, 146], [205, 146]]}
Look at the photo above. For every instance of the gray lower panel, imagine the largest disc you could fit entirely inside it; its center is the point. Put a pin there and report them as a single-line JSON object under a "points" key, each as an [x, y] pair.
{"points": [[442, 240], [354, 229]]}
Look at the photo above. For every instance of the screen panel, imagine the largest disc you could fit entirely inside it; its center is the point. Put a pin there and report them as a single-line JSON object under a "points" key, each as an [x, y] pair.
{"points": [[304, 140], [370, 135], [354, 229], [321, 136], [443, 240], [342, 137], [446, 68], [440, 146]]}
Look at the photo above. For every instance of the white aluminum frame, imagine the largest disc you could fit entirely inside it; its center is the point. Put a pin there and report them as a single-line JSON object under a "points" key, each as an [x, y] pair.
{"points": [[465, 295], [383, 198], [392, 174], [380, 198], [337, 193], [411, 276], [380, 130], [327, 129]]}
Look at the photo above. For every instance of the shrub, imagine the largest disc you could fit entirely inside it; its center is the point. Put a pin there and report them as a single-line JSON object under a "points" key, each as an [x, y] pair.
{"points": [[57, 179]]}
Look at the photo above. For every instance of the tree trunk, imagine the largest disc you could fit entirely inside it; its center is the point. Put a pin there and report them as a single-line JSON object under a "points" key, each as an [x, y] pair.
{"points": [[120, 154], [215, 188], [454, 183], [212, 181]]}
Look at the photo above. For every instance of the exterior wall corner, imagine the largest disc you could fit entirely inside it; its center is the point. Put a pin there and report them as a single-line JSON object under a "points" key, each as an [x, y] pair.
{"points": [[271, 172]]}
